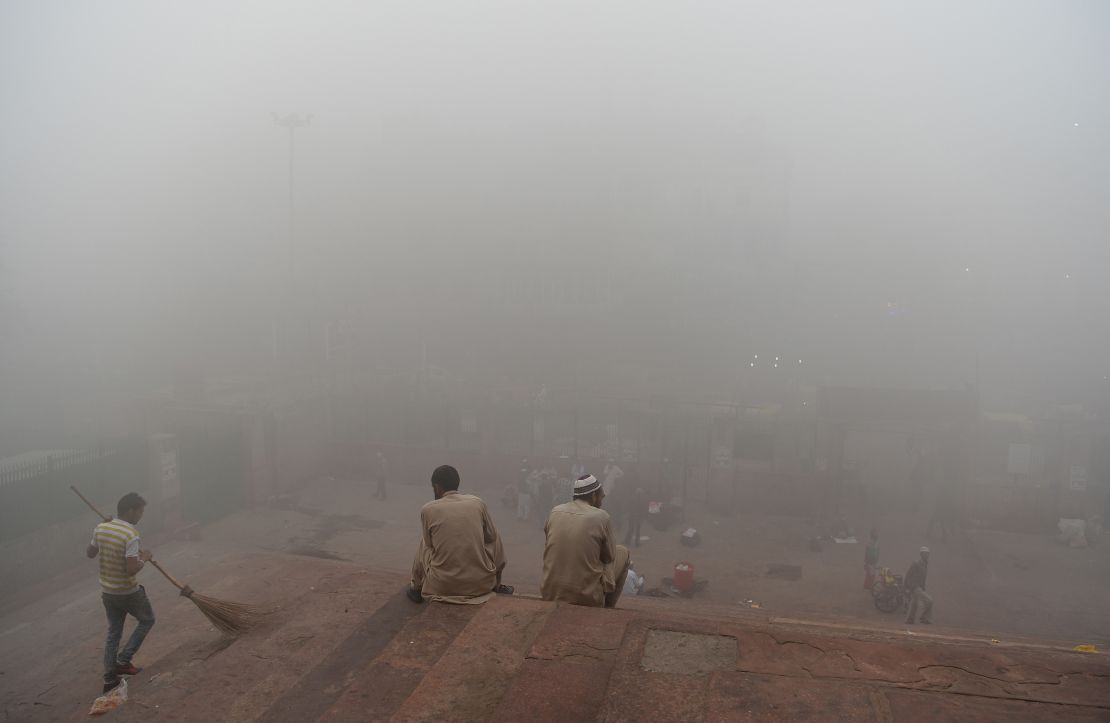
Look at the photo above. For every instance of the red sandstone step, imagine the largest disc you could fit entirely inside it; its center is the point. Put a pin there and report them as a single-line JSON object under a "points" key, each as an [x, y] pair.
{"points": [[634, 694], [472, 676], [567, 669], [379, 689], [209, 677]]}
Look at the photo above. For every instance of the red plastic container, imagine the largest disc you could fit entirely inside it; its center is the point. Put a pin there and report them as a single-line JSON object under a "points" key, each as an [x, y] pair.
{"points": [[684, 576]]}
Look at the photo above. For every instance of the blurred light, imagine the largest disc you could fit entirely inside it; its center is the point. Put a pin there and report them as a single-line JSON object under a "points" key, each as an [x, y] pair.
{"points": [[755, 356], [1067, 276], [776, 358], [967, 268], [751, 364], [799, 361], [1076, 124], [776, 365], [805, 403]]}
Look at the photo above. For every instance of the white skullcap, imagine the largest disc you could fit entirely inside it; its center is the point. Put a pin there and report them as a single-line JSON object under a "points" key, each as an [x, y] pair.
{"points": [[586, 484]]}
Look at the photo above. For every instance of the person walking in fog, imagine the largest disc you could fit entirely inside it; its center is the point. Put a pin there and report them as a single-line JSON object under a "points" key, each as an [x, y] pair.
{"points": [[382, 471], [871, 560], [915, 585], [117, 544]]}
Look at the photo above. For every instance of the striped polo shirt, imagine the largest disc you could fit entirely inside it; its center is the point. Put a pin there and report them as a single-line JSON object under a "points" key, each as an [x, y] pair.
{"points": [[116, 540]]}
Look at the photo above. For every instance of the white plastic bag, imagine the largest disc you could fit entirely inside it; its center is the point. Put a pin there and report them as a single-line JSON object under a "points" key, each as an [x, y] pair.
{"points": [[111, 700]]}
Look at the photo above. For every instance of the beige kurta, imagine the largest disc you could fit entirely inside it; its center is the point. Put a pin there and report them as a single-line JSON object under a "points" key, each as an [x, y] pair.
{"points": [[581, 560], [460, 552]]}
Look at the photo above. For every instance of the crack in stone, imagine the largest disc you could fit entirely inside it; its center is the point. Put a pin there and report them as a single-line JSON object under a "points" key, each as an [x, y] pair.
{"points": [[567, 656], [1059, 676], [833, 652]]}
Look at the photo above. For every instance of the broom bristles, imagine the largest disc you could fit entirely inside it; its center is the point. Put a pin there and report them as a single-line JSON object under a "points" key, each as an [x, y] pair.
{"points": [[230, 618]]}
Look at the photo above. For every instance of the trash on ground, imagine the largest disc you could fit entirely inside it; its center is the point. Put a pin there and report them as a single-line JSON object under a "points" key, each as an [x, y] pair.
{"points": [[1085, 648], [111, 700], [844, 540]]}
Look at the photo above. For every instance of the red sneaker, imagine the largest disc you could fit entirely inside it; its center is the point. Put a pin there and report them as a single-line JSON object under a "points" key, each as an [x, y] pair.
{"points": [[128, 669]]}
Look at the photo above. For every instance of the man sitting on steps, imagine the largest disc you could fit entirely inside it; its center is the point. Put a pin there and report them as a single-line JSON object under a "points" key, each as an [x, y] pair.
{"points": [[582, 564], [460, 557]]}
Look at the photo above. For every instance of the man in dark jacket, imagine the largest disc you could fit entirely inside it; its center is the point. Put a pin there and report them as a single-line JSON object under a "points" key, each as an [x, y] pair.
{"points": [[915, 585]]}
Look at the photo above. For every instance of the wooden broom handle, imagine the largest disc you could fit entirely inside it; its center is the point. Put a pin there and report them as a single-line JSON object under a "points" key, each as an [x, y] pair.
{"points": [[92, 507], [171, 578]]}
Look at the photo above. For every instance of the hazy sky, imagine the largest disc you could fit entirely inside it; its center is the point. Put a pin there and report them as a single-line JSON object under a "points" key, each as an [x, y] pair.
{"points": [[835, 156]]}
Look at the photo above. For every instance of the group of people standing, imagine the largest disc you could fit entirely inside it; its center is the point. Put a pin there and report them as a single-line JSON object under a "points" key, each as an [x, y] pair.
{"points": [[460, 558], [539, 489], [914, 580]]}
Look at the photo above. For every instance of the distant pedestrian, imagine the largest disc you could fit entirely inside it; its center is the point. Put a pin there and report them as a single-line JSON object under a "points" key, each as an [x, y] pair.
{"points": [[637, 508], [117, 543], [382, 473], [545, 497], [524, 494], [610, 476], [915, 584], [871, 560], [944, 515]]}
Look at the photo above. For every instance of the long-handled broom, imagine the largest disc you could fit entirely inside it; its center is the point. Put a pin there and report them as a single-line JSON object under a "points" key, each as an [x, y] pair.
{"points": [[230, 618]]}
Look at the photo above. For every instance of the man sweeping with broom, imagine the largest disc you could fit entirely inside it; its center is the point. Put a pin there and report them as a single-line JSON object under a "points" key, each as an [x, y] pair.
{"points": [[117, 542]]}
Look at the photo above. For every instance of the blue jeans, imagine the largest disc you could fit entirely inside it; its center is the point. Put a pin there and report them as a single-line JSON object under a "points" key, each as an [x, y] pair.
{"points": [[118, 607]]}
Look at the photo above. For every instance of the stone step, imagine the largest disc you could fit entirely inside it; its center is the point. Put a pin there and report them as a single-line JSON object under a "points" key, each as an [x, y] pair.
{"points": [[566, 673], [211, 676], [320, 687], [379, 689], [470, 679]]}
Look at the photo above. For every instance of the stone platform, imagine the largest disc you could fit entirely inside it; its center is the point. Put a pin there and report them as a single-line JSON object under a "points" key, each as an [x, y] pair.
{"points": [[346, 645]]}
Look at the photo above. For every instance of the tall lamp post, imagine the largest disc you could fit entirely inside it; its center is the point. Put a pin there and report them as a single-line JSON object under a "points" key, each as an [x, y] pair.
{"points": [[292, 122]]}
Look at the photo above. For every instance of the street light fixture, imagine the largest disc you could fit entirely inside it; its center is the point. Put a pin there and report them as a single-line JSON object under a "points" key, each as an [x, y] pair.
{"points": [[292, 122]]}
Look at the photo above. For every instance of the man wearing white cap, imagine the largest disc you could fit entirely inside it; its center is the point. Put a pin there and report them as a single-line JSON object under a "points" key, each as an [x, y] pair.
{"points": [[582, 564], [915, 584]]}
